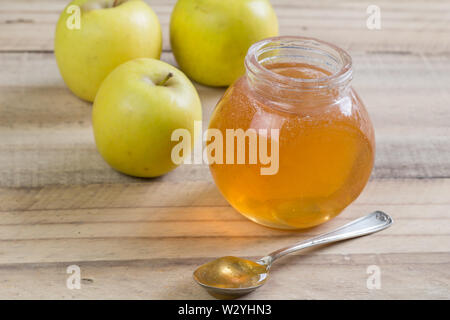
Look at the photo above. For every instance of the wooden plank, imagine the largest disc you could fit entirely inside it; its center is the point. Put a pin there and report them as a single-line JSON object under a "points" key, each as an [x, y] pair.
{"points": [[151, 252], [193, 229], [75, 251], [29, 26], [196, 193], [195, 213], [426, 275]]}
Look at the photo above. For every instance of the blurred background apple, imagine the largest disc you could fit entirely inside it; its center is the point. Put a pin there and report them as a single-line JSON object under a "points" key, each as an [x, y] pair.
{"points": [[110, 32], [210, 38]]}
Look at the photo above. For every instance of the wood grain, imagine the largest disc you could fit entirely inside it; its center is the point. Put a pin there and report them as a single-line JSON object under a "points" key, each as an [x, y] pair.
{"points": [[47, 136], [316, 277], [28, 25], [60, 204], [127, 242]]}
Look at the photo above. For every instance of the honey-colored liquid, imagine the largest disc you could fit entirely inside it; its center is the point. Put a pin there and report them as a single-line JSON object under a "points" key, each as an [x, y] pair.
{"points": [[231, 272], [326, 152]]}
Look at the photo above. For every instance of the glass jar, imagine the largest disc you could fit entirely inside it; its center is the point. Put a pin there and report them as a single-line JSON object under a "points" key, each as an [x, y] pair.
{"points": [[323, 135]]}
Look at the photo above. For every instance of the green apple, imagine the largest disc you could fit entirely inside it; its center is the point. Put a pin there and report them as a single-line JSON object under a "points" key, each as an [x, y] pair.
{"points": [[210, 38], [136, 110], [95, 36]]}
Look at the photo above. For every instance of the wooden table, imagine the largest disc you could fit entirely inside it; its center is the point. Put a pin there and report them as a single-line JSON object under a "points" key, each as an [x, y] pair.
{"points": [[61, 204]]}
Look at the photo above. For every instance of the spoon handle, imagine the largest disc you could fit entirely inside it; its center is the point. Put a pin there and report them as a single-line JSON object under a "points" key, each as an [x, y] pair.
{"points": [[373, 222]]}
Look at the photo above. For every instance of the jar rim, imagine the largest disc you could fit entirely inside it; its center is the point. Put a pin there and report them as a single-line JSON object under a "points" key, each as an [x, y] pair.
{"points": [[342, 76]]}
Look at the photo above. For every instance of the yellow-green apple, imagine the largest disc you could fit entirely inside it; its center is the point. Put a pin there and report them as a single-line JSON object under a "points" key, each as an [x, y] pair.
{"points": [[210, 38], [95, 36], [137, 108]]}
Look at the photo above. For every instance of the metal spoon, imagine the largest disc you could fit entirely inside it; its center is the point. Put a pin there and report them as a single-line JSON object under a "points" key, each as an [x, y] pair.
{"points": [[231, 277]]}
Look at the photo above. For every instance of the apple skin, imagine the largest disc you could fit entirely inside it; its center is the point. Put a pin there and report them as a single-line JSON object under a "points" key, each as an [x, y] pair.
{"points": [[133, 118], [107, 38], [210, 38]]}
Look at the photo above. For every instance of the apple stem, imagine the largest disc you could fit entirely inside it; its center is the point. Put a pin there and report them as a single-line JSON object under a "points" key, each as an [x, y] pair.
{"points": [[164, 81], [118, 2]]}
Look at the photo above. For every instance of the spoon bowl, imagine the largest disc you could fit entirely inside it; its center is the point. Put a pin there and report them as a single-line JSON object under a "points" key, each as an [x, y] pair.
{"points": [[228, 293]]}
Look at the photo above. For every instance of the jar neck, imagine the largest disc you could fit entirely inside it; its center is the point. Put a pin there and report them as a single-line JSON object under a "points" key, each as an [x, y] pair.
{"points": [[327, 79]]}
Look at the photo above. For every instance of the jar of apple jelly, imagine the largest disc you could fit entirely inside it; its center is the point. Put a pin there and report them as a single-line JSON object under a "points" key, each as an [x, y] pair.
{"points": [[323, 135]]}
